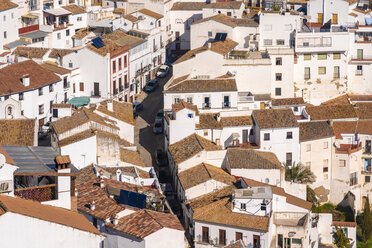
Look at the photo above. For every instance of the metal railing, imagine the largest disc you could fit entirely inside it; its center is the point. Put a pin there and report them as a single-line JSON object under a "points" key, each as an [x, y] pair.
{"points": [[226, 105], [96, 93], [206, 105], [359, 72], [116, 91], [363, 57], [121, 88]]}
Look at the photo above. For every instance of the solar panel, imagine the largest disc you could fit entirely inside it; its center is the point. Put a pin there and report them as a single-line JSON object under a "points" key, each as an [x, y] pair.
{"points": [[220, 36], [124, 197], [132, 199], [141, 201], [98, 42]]}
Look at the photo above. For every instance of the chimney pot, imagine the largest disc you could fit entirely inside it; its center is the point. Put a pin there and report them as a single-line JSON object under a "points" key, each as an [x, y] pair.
{"points": [[116, 220], [110, 106], [93, 206], [209, 45], [102, 183], [26, 80]]}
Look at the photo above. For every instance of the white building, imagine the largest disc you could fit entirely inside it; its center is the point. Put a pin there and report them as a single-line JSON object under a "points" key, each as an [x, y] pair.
{"points": [[9, 23], [28, 223]]}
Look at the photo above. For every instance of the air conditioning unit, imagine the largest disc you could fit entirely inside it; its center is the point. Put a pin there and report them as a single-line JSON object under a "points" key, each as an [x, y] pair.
{"points": [[6, 186]]}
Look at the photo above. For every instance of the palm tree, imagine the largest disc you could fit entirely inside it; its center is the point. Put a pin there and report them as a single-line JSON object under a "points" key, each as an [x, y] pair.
{"points": [[298, 173]]}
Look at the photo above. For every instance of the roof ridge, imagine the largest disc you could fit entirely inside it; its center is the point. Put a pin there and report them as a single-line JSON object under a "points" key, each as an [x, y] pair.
{"points": [[209, 174], [146, 211]]}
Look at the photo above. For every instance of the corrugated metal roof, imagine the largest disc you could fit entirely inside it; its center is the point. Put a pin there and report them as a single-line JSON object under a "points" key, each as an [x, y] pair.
{"points": [[16, 43], [36, 34]]}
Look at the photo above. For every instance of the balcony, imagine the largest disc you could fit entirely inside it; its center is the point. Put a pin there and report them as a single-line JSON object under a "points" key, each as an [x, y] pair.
{"points": [[96, 93], [66, 85], [348, 148], [126, 86], [358, 72], [361, 58], [226, 104], [206, 105], [38, 193], [156, 48], [121, 88], [116, 91]]}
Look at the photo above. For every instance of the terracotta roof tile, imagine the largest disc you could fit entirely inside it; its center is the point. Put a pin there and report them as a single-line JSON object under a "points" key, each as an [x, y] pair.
{"points": [[274, 118], [119, 11], [184, 6], [189, 147], [76, 138], [220, 212], [131, 18], [203, 85], [151, 13], [343, 223], [30, 52], [229, 21], [74, 9], [330, 112], [236, 121], [225, 5], [237, 244], [207, 199], [349, 127], [288, 101], [86, 174], [145, 222], [363, 110], [127, 170], [202, 173], [207, 121], [17, 132], [357, 98], [56, 53], [48, 213], [80, 34], [251, 159], [182, 105], [131, 157], [55, 68], [6, 4], [343, 99], [62, 105], [122, 111], [315, 130]]}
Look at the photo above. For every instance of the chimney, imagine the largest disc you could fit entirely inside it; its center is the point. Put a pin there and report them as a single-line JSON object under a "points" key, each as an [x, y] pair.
{"points": [[102, 183], [110, 106], [26, 80], [209, 45], [118, 174], [93, 205], [115, 220]]}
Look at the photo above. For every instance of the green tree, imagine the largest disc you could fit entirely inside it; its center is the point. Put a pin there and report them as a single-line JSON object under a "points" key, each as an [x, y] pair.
{"points": [[311, 196], [340, 239], [366, 222], [298, 173]]}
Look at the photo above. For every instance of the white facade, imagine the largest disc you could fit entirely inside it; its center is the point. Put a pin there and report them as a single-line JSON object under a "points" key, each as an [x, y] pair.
{"points": [[8, 26]]}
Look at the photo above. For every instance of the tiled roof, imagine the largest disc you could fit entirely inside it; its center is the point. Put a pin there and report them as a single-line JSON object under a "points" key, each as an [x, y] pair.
{"points": [[208, 121], [229, 21], [79, 118], [220, 212], [357, 98], [145, 222], [274, 118], [131, 157], [329, 112], [225, 5], [350, 2], [6, 4], [86, 174], [288, 101], [363, 110], [130, 18], [119, 11], [81, 33], [221, 47], [10, 76], [190, 146], [76, 137], [349, 127], [315, 130], [293, 200], [203, 85], [30, 52], [122, 39], [151, 13], [8, 159], [343, 223], [17, 132], [237, 244], [122, 111], [110, 47], [239, 158], [127, 170], [202, 173], [74, 9], [343, 99], [55, 68], [236, 121], [48, 213], [56, 53], [184, 6], [182, 105], [62, 105]]}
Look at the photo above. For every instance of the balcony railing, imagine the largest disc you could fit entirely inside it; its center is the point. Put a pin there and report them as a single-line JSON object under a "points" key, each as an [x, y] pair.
{"points": [[336, 75], [96, 93], [38, 193], [126, 86], [206, 105], [116, 91], [156, 48], [359, 72], [363, 57], [121, 88], [66, 85], [226, 105]]}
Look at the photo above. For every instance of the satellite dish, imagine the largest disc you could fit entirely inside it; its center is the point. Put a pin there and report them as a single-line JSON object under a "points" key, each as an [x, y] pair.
{"points": [[2, 160]]}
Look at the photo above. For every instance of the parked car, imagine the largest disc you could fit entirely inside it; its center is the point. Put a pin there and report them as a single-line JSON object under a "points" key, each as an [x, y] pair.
{"points": [[159, 115], [137, 107], [151, 85], [161, 158], [158, 127], [163, 71], [45, 128]]}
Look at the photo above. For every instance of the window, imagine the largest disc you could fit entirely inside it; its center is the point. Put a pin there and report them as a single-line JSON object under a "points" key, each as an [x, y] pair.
{"points": [[295, 109], [337, 56], [353, 178], [4, 18], [210, 34], [222, 237], [5, 35], [278, 77], [176, 100], [58, 36], [321, 70], [320, 18], [55, 113], [266, 136], [336, 72], [206, 133], [289, 135], [70, 65], [359, 53], [79, 19], [95, 222], [40, 91], [289, 158], [243, 206], [228, 13], [12, 15], [322, 56], [325, 145], [81, 86], [190, 115], [278, 61], [50, 106], [205, 234], [41, 109], [73, 88], [119, 61], [307, 73], [367, 148], [367, 179], [278, 91], [325, 165], [342, 162], [268, 42], [359, 70], [113, 66], [51, 88], [308, 147], [20, 96], [189, 99], [307, 56], [280, 42], [334, 18], [67, 32], [238, 236]]}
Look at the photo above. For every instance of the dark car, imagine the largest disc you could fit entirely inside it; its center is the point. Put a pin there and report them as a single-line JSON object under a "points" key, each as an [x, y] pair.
{"points": [[151, 85], [159, 115], [161, 158], [137, 107], [158, 127]]}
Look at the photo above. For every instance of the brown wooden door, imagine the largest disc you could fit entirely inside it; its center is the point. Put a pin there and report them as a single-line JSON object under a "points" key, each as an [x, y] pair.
{"points": [[256, 241], [205, 233], [245, 136], [238, 236], [96, 89]]}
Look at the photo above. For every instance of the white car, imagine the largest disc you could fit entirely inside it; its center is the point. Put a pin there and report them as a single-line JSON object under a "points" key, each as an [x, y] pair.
{"points": [[163, 71]]}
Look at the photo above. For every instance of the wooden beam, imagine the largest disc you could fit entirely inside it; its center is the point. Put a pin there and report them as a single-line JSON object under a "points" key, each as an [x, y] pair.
{"points": [[51, 174], [37, 187]]}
